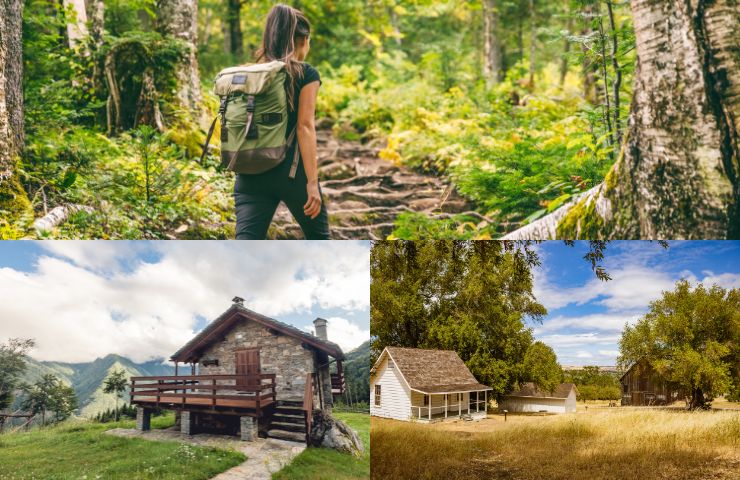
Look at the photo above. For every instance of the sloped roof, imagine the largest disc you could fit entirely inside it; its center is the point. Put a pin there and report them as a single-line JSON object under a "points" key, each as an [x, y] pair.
{"points": [[434, 371], [529, 389], [219, 327]]}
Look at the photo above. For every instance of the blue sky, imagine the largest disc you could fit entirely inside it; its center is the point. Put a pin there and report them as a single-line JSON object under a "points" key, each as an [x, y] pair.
{"points": [[82, 300], [586, 316]]}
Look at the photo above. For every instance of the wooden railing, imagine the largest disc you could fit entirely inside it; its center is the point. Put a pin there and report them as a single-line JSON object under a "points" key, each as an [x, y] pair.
{"points": [[338, 383], [248, 391], [308, 405]]}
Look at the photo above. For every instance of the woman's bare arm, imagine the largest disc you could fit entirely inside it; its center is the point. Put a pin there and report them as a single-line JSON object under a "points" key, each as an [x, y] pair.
{"points": [[306, 131]]}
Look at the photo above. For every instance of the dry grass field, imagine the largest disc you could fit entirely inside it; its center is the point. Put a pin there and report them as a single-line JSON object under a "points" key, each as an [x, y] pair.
{"points": [[601, 443]]}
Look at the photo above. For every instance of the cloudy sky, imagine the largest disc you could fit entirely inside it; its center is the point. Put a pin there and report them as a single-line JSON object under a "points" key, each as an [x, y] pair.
{"points": [[143, 300], [586, 316]]}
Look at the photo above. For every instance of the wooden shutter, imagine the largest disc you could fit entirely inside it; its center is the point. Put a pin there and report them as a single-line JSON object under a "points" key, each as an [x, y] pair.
{"points": [[248, 364]]}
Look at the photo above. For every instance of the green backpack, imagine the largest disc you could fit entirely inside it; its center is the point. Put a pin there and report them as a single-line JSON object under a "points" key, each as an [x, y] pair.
{"points": [[254, 119]]}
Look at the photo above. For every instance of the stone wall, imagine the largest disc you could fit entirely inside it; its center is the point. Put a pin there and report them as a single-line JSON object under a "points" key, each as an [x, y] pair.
{"points": [[279, 354]]}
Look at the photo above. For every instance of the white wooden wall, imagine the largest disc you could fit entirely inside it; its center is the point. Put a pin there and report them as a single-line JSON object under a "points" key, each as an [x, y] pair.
{"points": [[395, 401], [529, 404], [570, 402]]}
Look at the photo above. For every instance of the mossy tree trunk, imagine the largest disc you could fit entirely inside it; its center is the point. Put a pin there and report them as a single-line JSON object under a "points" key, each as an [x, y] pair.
{"points": [[13, 200], [179, 19], [677, 174], [491, 44]]}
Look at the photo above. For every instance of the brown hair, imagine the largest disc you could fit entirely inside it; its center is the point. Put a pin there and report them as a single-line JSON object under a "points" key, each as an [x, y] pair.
{"points": [[285, 27]]}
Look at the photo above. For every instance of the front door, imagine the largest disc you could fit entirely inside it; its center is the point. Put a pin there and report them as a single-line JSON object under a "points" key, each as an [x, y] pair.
{"points": [[248, 364]]}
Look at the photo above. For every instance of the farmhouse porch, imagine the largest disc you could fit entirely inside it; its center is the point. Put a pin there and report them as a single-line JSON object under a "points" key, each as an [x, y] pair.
{"points": [[433, 407]]}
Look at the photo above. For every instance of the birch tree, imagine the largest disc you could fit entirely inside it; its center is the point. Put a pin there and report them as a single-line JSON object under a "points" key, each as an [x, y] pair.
{"points": [[12, 196], [491, 44], [677, 174]]}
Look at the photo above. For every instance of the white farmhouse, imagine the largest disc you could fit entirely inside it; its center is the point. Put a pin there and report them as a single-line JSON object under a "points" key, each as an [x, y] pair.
{"points": [[529, 398], [424, 385]]}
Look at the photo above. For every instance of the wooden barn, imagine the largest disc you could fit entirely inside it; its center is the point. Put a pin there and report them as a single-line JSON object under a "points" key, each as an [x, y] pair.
{"points": [[643, 386], [530, 399], [424, 385], [249, 375]]}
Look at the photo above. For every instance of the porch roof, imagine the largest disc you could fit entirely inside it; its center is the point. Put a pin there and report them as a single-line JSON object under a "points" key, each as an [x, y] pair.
{"points": [[191, 351], [472, 387]]}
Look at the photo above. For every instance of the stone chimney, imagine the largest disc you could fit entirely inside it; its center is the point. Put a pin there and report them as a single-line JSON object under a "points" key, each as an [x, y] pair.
{"points": [[320, 325]]}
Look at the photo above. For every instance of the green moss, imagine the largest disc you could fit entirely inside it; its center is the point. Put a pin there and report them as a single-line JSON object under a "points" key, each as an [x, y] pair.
{"points": [[582, 221], [15, 208], [189, 136]]}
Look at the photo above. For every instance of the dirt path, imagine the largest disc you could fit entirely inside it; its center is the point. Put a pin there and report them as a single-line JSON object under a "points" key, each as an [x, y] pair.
{"points": [[365, 193]]}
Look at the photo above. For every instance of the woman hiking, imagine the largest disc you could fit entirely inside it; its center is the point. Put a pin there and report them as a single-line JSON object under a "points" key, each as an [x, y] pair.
{"points": [[287, 38]]}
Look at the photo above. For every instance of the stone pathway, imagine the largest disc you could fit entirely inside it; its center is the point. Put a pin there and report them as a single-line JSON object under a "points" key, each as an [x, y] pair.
{"points": [[365, 193], [264, 456]]}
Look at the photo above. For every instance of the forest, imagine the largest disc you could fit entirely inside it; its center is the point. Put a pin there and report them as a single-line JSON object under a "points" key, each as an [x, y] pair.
{"points": [[521, 119]]}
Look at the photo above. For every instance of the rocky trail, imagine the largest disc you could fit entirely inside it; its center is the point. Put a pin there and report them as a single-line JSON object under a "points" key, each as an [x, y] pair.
{"points": [[365, 194]]}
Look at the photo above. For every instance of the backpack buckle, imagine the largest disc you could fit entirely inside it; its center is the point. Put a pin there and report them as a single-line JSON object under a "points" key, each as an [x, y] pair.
{"points": [[250, 103], [222, 107]]}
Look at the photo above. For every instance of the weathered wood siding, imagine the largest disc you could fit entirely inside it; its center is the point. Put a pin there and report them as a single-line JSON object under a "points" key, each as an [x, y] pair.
{"points": [[395, 395], [642, 386]]}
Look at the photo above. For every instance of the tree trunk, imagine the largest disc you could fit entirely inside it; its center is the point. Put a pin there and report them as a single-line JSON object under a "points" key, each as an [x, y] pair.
{"points": [[97, 23], [77, 26], [532, 43], [491, 44], [13, 200], [566, 48], [234, 25], [697, 399], [179, 19], [677, 174], [588, 67]]}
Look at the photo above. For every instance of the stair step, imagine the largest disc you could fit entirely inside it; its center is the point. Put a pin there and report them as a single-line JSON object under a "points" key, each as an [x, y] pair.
{"points": [[290, 403], [287, 435], [288, 420], [292, 427], [290, 415], [289, 410]]}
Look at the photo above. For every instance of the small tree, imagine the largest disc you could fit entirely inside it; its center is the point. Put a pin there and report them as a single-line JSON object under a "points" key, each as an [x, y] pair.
{"points": [[116, 383], [12, 365], [49, 394], [541, 366]]}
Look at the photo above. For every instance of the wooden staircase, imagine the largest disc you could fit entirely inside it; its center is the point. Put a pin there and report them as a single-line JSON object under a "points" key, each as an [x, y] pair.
{"points": [[288, 422]]}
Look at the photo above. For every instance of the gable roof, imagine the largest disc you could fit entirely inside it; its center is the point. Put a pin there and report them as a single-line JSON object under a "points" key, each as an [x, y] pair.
{"points": [[529, 389], [214, 331], [433, 371]]}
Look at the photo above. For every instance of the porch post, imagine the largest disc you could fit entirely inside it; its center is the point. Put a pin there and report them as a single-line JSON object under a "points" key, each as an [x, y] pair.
{"points": [[477, 402], [468, 402], [430, 407], [485, 401], [143, 419], [187, 422], [459, 407], [176, 368], [445, 406]]}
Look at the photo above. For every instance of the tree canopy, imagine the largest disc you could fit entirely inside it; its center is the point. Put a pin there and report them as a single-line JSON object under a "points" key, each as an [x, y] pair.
{"points": [[691, 336], [12, 364]]}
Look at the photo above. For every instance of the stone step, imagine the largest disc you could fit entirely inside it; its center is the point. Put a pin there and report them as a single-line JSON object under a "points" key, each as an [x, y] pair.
{"points": [[288, 418], [291, 427], [286, 435]]}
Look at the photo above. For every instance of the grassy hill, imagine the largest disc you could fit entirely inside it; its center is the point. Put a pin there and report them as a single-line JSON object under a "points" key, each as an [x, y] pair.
{"points": [[357, 373], [87, 378]]}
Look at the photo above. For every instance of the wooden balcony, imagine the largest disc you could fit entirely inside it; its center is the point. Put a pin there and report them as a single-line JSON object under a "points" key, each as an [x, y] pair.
{"points": [[228, 394]]}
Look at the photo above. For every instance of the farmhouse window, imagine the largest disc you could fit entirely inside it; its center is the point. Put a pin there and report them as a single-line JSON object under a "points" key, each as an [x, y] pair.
{"points": [[426, 400], [377, 395]]}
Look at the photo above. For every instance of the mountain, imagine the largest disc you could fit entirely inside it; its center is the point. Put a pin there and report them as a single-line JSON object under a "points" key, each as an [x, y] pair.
{"points": [[87, 378], [357, 373]]}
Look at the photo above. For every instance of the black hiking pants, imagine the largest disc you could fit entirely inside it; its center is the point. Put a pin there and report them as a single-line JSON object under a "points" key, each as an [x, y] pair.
{"points": [[257, 198]]}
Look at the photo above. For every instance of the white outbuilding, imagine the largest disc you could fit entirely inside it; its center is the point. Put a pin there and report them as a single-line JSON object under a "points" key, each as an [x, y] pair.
{"points": [[424, 385], [529, 398]]}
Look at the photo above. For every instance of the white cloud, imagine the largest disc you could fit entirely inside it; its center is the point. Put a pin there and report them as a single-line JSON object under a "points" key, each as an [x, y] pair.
{"points": [[583, 354], [344, 333], [609, 353], [87, 304], [599, 321], [578, 340]]}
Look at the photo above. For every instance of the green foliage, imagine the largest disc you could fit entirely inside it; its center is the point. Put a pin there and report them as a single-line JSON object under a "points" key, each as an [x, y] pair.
{"points": [[12, 365], [357, 375], [471, 297], [49, 394], [540, 365], [691, 337], [593, 384]]}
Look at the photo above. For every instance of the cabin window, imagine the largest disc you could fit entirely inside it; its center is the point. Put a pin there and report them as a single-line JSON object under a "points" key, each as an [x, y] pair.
{"points": [[377, 395], [426, 400], [626, 388]]}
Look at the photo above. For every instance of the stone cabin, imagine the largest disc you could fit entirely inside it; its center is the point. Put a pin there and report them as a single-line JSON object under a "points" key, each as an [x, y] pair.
{"points": [[249, 374]]}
